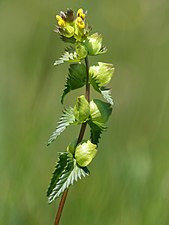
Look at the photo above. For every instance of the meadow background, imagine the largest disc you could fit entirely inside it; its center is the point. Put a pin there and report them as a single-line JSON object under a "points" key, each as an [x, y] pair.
{"points": [[129, 181]]}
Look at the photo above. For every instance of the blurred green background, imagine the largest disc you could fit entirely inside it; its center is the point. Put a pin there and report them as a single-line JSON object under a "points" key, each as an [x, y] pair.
{"points": [[129, 181]]}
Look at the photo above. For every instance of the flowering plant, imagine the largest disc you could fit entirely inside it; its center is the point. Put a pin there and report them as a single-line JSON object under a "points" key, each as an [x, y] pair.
{"points": [[94, 113]]}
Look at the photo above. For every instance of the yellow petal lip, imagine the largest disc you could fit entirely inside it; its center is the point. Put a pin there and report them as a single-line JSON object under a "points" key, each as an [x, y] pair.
{"points": [[81, 14], [80, 22], [61, 21]]}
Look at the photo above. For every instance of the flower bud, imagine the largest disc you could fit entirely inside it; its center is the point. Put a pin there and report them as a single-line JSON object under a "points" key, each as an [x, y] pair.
{"points": [[100, 111], [81, 109], [85, 152]]}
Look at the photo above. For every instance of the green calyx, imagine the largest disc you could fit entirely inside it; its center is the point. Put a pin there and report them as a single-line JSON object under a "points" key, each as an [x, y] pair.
{"points": [[85, 152], [93, 44], [100, 111], [101, 74], [81, 50], [81, 109]]}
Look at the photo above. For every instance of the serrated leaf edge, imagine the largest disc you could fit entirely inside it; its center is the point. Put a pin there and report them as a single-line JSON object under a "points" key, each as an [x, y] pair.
{"points": [[67, 178], [62, 124]]}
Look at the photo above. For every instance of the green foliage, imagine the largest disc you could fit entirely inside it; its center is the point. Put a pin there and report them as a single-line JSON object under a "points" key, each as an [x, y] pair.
{"points": [[106, 95], [66, 119], [95, 131], [72, 164], [70, 55], [66, 173], [76, 78]]}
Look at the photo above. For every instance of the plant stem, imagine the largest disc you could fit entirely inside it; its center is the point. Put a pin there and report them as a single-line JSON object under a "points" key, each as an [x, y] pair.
{"points": [[61, 205], [80, 137]]}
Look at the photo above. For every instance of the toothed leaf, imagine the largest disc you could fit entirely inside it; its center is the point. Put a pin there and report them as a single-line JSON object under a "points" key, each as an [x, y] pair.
{"points": [[71, 40], [102, 50], [106, 95], [76, 78], [70, 55], [67, 119], [95, 132], [65, 174]]}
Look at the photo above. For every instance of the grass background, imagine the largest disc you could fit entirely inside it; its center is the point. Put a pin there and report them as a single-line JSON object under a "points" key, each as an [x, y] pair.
{"points": [[129, 182]]}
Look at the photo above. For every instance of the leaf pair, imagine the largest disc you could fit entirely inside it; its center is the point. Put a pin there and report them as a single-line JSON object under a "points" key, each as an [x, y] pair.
{"points": [[96, 114]]}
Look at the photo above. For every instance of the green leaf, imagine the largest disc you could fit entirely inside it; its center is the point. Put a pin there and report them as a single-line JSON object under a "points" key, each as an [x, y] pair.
{"points": [[96, 131], [76, 78], [62, 161], [102, 50], [65, 174], [106, 95], [71, 40], [67, 119], [70, 55]]}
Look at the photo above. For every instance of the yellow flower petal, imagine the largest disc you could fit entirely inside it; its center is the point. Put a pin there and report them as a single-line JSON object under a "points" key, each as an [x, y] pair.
{"points": [[80, 13], [80, 22], [61, 21]]}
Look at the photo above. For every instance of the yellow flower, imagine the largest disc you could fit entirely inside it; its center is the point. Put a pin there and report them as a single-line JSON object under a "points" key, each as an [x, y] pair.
{"points": [[80, 13], [80, 22], [61, 21]]}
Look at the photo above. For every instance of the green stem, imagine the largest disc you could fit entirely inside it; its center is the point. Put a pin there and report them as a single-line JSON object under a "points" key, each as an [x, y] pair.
{"points": [[80, 138]]}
